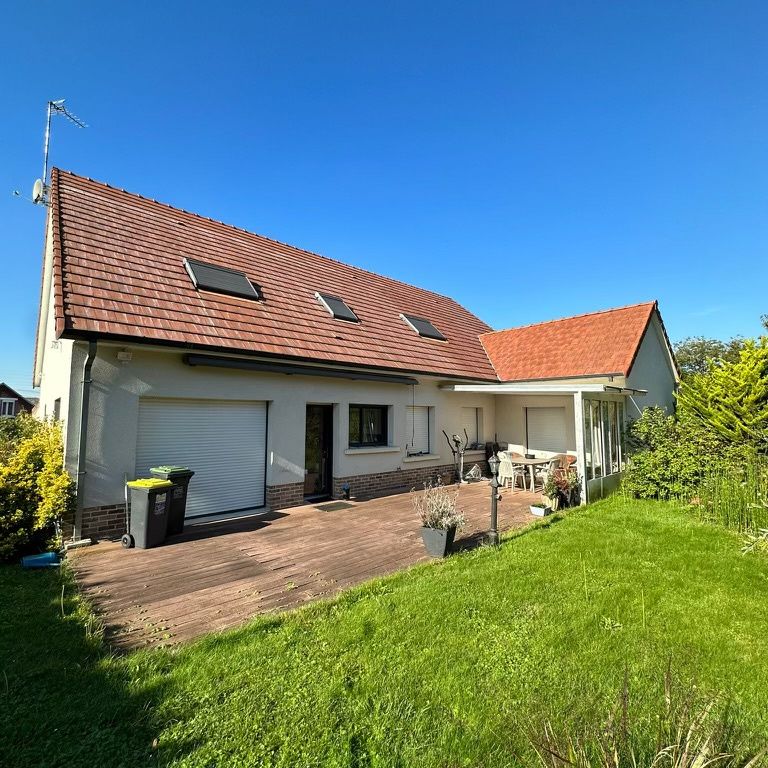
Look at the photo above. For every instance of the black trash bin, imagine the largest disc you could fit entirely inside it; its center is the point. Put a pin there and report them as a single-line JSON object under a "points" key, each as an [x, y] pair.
{"points": [[180, 477], [148, 522]]}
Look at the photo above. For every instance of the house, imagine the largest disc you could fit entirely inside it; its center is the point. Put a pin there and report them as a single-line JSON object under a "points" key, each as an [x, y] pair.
{"points": [[12, 403], [279, 375]]}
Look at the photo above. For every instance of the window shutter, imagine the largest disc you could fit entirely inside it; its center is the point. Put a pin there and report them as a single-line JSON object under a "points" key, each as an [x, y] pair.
{"points": [[417, 429], [469, 422], [546, 429]]}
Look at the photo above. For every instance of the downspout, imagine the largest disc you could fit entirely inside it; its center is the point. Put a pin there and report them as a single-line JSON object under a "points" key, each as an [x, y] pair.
{"points": [[85, 399]]}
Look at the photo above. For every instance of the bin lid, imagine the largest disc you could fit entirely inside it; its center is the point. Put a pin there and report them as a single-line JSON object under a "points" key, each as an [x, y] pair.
{"points": [[168, 469], [149, 482]]}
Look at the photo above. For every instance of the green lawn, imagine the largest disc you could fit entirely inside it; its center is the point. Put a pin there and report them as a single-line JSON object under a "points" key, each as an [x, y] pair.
{"points": [[451, 664]]}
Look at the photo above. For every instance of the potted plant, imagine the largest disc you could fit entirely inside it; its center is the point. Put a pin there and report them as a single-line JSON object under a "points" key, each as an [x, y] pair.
{"points": [[562, 489], [440, 517], [551, 491], [573, 487], [539, 509]]}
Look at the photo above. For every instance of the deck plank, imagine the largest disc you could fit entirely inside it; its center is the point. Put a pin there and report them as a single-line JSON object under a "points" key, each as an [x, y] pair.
{"points": [[219, 575]]}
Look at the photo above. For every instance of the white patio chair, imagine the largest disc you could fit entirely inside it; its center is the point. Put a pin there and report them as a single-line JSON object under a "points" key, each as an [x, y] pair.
{"points": [[509, 471], [542, 472]]}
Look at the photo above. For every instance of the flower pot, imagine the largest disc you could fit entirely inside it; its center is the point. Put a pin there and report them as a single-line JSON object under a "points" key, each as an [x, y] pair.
{"points": [[438, 541], [540, 511]]}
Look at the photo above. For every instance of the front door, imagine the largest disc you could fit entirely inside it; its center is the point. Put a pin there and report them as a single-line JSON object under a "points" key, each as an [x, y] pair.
{"points": [[317, 453]]}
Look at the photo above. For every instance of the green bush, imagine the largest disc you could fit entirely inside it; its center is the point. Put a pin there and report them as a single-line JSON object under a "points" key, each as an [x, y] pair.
{"points": [[671, 455], [35, 489], [12, 431]]}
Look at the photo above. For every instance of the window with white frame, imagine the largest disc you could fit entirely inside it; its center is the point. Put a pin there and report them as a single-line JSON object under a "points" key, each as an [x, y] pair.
{"points": [[7, 407], [368, 425], [604, 438], [472, 424], [417, 430]]}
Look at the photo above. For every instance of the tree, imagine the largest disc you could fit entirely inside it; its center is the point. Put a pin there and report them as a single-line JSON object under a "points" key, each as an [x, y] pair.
{"points": [[731, 397], [694, 353]]}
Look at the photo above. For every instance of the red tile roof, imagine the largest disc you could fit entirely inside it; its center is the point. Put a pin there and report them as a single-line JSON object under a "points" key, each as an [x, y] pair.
{"points": [[599, 343], [118, 271]]}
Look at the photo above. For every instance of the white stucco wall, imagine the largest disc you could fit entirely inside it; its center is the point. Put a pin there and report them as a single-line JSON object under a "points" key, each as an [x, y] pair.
{"points": [[510, 418], [117, 387], [652, 370], [55, 370]]}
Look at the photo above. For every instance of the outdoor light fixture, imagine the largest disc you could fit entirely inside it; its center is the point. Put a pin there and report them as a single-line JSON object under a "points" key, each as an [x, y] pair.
{"points": [[493, 534]]}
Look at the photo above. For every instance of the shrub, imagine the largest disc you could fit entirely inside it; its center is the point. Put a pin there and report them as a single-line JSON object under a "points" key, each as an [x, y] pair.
{"points": [[12, 431], [436, 506], [671, 455], [35, 489]]}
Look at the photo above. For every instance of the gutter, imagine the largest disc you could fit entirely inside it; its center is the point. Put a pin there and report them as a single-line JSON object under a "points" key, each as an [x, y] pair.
{"points": [[85, 399], [166, 345], [294, 370]]}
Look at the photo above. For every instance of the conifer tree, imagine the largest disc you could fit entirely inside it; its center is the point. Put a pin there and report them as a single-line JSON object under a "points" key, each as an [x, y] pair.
{"points": [[731, 398]]}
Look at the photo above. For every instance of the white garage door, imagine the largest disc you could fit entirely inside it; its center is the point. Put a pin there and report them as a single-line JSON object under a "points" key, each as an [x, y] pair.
{"points": [[546, 429], [223, 442]]}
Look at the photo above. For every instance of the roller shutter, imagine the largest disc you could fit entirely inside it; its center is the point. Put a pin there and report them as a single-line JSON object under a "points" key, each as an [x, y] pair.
{"points": [[546, 429], [223, 442], [417, 429]]}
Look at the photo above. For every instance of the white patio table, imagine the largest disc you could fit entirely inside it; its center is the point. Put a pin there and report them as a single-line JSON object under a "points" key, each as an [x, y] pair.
{"points": [[507, 463]]}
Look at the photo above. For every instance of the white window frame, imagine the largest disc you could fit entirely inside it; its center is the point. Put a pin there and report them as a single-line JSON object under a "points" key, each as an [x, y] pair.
{"points": [[7, 407]]}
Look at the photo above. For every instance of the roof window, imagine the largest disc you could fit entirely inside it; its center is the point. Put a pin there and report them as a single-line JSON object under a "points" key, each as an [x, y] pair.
{"points": [[210, 277], [423, 327], [337, 307]]}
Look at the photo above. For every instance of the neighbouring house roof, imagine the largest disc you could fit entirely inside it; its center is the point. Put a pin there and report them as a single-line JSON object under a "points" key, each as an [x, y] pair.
{"points": [[118, 272], [8, 392], [596, 344]]}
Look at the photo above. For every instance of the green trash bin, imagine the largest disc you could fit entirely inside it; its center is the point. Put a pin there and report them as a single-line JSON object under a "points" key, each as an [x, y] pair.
{"points": [[180, 477], [150, 499]]}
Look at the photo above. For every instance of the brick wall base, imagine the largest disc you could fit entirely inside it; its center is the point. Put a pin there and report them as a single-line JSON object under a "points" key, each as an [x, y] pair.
{"points": [[400, 480], [109, 522], [102, 522], [284, 496]]}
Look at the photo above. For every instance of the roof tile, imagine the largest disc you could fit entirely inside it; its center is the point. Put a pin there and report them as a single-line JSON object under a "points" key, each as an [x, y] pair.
{"points": [[596, 344], [118, 270]]}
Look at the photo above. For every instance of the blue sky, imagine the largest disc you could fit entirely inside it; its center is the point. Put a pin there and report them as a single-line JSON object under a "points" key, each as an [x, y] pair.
{"points": [[533, 160]]}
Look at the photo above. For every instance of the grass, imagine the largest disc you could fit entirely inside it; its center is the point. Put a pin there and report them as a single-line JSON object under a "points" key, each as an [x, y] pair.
{"points": [[736, 496], [452, 664]]}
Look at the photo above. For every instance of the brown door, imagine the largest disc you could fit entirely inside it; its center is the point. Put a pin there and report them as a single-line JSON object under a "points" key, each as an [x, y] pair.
{"points": [[318, 457]]}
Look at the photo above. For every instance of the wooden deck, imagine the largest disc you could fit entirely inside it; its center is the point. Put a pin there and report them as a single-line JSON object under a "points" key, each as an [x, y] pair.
{"points": [[219, 575]]}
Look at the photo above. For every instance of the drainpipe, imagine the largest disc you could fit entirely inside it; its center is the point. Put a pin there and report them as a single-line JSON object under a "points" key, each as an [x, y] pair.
{"points": [[85, 398]]}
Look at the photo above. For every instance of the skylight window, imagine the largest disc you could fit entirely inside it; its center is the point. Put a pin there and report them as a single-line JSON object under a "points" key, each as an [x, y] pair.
{"points": [[423, 327], [209, 277], [337, 307]]}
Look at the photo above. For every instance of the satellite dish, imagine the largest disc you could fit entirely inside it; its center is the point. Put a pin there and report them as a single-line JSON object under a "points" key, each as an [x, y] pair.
{"points": [[38, 191]]}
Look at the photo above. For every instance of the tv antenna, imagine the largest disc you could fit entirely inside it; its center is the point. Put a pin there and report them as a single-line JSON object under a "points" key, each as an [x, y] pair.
{"points": [[40, 189]]}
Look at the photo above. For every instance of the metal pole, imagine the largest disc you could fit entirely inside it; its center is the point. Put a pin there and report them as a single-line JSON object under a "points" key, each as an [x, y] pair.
{"points": [[45, 146], [493, 534]]}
